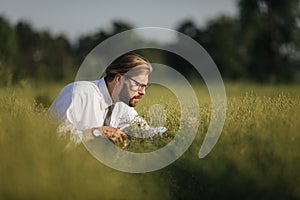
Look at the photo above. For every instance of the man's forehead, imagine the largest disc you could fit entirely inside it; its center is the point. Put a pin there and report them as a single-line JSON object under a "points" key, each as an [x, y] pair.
{"points": [[139, 70], [141, 77]]}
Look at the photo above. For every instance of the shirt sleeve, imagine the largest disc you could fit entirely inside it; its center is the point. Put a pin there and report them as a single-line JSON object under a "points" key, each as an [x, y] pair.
{"points": [[61, 104], [78, 108], [85, 111]]}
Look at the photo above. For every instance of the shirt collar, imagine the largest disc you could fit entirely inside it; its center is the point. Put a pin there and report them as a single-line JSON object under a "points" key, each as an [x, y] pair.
{"points": [[104, 90]]}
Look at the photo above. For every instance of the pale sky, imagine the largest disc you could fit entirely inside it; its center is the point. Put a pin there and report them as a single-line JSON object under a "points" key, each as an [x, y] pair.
{"points": [[74, 18]]}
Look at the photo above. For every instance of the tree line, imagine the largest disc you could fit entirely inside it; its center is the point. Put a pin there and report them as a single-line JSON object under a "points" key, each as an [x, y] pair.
{"points": [[261, 43]]}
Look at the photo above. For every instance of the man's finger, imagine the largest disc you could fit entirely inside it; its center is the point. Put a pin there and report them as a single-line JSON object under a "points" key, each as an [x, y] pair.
{"points": [[113, 139], [120, 138]]}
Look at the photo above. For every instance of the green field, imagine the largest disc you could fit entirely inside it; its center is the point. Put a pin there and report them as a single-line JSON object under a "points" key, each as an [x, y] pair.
{"points": [[256, 157]]}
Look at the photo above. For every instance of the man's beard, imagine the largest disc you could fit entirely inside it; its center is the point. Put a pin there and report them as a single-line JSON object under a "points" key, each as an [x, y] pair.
{"points": [[132, 102]]}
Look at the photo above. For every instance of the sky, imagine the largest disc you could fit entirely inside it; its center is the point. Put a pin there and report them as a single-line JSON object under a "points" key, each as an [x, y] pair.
{"points": [[75, 18]]}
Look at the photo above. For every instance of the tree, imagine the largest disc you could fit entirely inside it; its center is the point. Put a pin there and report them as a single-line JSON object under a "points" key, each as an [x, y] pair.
{"points": [[43, 57], [28, 41], [267, 27], [88, 42], [220, 39], [8, 52]]}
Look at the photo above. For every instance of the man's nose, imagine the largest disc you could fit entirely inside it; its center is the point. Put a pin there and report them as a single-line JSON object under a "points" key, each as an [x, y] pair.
{"points": [[142, 91]]}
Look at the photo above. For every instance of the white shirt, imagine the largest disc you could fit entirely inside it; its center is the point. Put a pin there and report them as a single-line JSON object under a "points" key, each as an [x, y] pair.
{"points": [[83, 105]]}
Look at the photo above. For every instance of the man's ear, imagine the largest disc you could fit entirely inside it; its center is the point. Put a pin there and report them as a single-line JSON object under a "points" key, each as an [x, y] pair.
{"points": [[117, 78]]}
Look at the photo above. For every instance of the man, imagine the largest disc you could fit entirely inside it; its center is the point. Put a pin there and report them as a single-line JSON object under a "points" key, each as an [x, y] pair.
{"points": [[90, 109]]}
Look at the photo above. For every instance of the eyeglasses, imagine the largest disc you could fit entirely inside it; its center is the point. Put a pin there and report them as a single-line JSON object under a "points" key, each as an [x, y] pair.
{"points": [[138, 85]]}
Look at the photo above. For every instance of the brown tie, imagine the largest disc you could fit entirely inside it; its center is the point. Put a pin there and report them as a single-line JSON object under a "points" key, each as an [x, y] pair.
{"points": [[108, 115]]}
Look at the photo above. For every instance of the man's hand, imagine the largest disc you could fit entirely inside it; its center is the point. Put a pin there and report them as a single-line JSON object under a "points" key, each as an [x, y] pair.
{"points": [[114, 134]]}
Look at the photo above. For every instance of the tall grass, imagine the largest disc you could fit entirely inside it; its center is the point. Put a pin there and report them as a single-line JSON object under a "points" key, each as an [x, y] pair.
{"points": [[257, 155], [36, 165]]}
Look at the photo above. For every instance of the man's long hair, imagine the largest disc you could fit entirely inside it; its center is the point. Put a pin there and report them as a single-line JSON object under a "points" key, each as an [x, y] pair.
{"points": [[125, 63]]}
